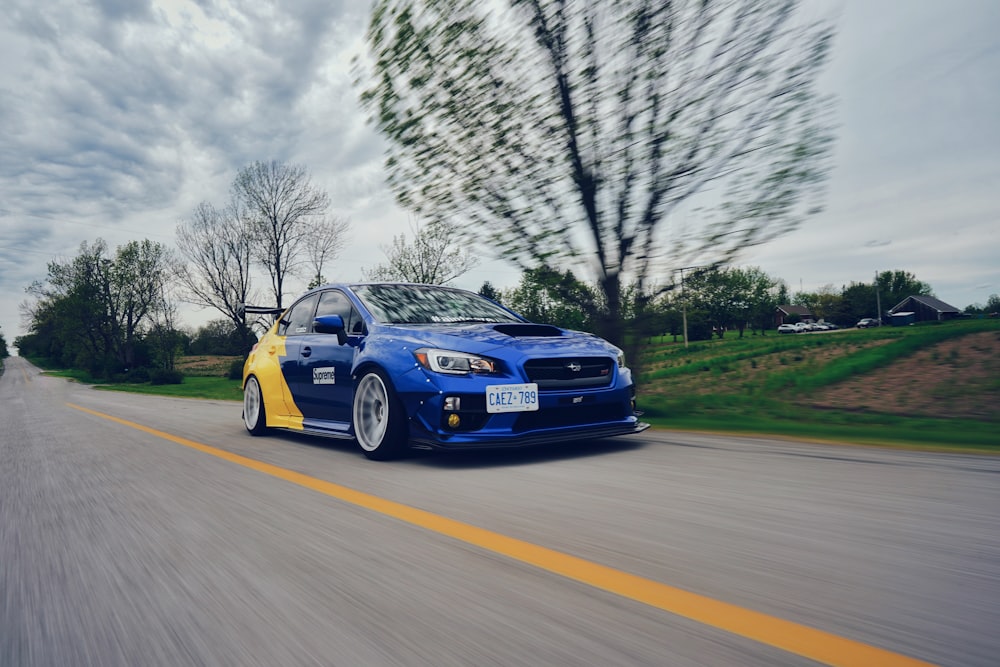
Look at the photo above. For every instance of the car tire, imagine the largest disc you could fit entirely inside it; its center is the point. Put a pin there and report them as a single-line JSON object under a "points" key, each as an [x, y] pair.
{"points": [[378, 417], [254, 417]]}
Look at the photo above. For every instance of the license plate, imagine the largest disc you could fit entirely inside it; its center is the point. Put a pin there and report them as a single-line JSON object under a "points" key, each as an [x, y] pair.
{"points": [[512, 397]]}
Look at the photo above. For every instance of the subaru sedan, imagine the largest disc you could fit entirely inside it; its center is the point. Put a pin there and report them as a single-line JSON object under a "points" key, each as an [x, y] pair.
{"points": [[400, 365]]}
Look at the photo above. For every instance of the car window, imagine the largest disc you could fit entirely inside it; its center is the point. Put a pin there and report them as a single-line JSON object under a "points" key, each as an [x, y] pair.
{"points": [[425, 304], [299, 318], [335, 302]]}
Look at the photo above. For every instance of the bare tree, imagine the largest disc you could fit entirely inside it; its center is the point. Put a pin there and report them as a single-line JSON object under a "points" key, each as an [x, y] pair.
{"points": [[327, 238], [217, 246], [436, 256], [277, 201], [565, 134]]}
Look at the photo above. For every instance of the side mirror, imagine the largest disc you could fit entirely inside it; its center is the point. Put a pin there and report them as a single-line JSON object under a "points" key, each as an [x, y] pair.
{"points": [[331, 324]]}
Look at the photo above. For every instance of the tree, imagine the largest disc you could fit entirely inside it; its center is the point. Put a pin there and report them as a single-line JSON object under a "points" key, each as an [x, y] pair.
{"points": [[93, 311], [490, 292], [138, 278], [326, 239], [548, 297], [218, 247], [823, 303], [217, 337], [4, 352], [857, 301], [992, 307], [860, 300], [276, 202], [764, 296], [895, 286], [435, 256], [733, 297], [566, 134]]}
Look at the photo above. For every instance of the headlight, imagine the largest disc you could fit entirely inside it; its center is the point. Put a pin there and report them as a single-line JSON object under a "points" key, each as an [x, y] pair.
{"points": [[621, 359], [454, 363]]}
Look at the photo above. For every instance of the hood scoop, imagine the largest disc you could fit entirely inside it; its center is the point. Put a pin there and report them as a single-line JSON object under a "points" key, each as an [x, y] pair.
{"points": [[528, 330]]}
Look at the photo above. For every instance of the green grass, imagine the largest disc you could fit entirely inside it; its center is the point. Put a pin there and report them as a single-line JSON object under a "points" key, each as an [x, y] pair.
{"points": [[194, 386], [218, 388]]}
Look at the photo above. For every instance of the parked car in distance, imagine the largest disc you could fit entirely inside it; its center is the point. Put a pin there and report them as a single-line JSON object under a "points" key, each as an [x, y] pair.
{"points": [[867, 322], [787, 328]]}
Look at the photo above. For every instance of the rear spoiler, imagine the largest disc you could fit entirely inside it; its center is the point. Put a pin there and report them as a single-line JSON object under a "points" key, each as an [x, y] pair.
{"points": [[260, 310]]}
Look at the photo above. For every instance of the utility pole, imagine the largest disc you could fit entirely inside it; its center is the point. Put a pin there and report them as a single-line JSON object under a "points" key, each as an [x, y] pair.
{"points": [[684, 316], [878, 300]]}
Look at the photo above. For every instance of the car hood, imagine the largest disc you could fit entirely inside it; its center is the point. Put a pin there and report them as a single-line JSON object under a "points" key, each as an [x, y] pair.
{"points": [[526, 339]]}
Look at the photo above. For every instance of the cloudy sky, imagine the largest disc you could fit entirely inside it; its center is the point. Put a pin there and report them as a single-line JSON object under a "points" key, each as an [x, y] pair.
{"points": [[117, 117]]}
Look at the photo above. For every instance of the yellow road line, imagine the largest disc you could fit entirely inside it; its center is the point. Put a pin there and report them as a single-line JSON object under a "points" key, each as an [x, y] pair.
{"points": [[793, 637]]}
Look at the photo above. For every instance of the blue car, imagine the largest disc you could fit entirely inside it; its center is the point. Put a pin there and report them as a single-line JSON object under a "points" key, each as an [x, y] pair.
{"points": [[398, 365]]}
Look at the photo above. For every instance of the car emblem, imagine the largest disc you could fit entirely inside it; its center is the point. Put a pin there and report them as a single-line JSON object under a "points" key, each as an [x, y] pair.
{"points": [[573, 366]]}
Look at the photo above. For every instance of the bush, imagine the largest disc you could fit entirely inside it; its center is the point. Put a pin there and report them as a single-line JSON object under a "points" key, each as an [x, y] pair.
{"points": [[137, 375], [235, 370], [163, 376]]}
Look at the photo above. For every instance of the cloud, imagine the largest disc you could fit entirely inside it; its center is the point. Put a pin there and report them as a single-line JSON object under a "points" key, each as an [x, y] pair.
{"points": [[119, 117]]}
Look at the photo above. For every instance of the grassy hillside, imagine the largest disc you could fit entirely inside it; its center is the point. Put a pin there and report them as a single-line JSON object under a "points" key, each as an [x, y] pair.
{"points": [[937, 384]]}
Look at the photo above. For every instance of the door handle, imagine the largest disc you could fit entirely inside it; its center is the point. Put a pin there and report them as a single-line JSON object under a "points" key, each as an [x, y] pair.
{"points": [[306, 351]]}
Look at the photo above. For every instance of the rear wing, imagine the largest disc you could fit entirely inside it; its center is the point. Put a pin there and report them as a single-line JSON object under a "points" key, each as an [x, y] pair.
{"points": [[260, 310]]}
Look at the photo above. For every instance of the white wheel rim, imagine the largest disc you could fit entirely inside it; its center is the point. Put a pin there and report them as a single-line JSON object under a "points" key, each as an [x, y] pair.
{"points": [[371, 412], [251, 404]]}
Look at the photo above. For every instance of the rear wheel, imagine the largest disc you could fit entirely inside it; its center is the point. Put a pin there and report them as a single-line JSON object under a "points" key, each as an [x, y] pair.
{"points": [[379, 421], [253, 407]]}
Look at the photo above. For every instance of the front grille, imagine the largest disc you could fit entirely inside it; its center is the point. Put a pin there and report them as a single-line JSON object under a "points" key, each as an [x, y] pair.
{"points": [[570, 373], [570, 415]]}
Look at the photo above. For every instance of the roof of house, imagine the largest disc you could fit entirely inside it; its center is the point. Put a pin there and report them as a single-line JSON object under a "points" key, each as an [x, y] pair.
{"points": [[928, 301], [795, 310]]}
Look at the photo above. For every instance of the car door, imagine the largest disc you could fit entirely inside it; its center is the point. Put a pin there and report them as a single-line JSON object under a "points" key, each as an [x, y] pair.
{"points": [[324, 388]]}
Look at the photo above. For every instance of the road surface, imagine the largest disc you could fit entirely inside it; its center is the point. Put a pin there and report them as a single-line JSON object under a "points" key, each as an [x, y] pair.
{"points": [[141, 530]]}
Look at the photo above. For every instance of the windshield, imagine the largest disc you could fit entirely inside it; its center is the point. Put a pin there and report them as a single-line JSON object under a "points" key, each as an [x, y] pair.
{"points": [[428, 304]]}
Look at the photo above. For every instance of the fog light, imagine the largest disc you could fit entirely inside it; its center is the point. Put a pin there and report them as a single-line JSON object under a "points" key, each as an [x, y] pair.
{"points": [[454, 420], [452, 403]]}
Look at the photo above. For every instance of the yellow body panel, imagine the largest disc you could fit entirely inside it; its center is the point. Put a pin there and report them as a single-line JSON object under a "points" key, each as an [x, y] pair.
{"points": [[264, 362]]}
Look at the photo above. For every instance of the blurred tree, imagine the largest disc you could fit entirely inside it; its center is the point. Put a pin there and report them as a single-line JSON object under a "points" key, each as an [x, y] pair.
{"points": [[276, 203], [561, 134], [4, 352], [436, 256]]}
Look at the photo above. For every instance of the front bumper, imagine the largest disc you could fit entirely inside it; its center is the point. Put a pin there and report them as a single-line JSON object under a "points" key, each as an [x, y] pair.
{"points": [[465, 441]]}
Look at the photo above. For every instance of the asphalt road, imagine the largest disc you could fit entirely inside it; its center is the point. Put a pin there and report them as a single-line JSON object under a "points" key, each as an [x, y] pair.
{"points": [[148, 531]]}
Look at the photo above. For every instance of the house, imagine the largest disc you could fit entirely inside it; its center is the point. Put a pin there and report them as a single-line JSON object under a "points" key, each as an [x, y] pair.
{"points": [[925, 309], [782, 312]]}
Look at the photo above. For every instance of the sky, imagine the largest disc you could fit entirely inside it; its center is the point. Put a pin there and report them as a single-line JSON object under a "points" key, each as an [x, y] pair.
{"points": [[118, 117]]}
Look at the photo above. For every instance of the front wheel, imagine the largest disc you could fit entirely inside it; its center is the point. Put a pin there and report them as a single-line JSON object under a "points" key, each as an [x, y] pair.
{"points": [[254, 417], [379, 421]]}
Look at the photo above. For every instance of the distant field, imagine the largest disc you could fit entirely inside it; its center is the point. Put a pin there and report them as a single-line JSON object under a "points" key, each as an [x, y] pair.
{"points": [[933, 384]]}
